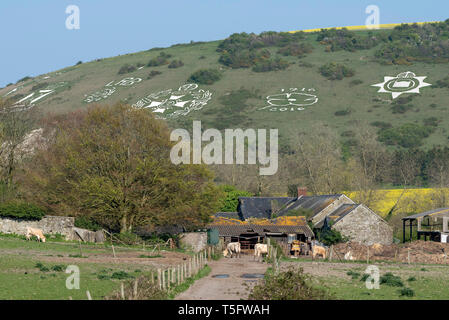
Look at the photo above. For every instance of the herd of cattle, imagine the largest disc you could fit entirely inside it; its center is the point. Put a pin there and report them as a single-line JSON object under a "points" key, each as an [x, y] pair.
{"points": [[260, 249]]}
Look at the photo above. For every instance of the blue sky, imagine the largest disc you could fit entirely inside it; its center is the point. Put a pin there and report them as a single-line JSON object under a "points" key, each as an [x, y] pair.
{"points": [[36, 40]]}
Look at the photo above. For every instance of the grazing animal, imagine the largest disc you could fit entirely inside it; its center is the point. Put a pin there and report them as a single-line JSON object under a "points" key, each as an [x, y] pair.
{"points": [[260, 249], [348, 256], [35, 232], [318, 250], [232, 248], [376, 247]]}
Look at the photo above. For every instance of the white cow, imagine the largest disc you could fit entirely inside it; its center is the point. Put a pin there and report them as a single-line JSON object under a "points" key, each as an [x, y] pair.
{"points": [[260, 249], [232, 248], [35, 232]]}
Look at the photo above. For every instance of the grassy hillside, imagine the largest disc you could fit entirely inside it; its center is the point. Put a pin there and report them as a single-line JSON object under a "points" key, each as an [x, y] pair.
{"points": [[236, 99]]}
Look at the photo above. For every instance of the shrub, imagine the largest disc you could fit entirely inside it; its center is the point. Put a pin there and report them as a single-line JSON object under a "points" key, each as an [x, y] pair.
{"points": [[408, 135], [411, 279], [336, 71], [292, 284], [58, 267], [348, 133], [78, 63], [39, 86], [444, 83], [354, 275], [160, 60], [120, 275], [364, 277], [355, 82], [23, 211], [127, 69], [24, 79], [175, 64], [401, 108], [296, 49], [205, 76], [381, 124], [343, 39], [128, 238], [407, 292], [270, 65], [344, 112], [86, 222], [391, 280], [153, 73], [243, 50], [431, 121]]}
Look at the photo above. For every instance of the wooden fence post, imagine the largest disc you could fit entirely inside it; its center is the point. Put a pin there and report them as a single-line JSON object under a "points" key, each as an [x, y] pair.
{"points": [[163, 279], [182, 273], [179, 276], [190, 267], [135, 288], [367, 255], [173, 276], [159, 279], [122, 291]]}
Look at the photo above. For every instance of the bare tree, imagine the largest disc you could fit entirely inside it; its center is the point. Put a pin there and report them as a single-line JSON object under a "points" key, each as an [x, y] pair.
{"points": [[15, 124]]}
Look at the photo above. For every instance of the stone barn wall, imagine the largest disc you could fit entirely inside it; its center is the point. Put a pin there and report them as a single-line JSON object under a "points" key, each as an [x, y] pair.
{"points": [[196, 241], [364, 226], [48, 224]]}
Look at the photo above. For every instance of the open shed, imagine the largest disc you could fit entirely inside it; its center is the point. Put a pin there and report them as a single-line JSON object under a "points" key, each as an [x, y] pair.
{"points": [[432, 225]]}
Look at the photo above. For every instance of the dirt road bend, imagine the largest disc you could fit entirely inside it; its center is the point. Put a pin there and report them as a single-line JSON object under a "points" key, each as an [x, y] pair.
{"points": [[230, 287]]}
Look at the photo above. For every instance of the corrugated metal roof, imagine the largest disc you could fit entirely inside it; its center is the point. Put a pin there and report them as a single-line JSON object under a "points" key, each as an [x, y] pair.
{"points": [[236, 230], [436, 212]]}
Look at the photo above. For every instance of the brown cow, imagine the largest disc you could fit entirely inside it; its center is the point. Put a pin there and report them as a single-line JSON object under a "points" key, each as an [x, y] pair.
{"points": [[35, 232]]}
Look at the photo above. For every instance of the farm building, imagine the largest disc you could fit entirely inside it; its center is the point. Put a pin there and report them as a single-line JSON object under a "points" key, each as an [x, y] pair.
{"points": [[355, 221], [250, 234], [359, 224], [431, 224]]}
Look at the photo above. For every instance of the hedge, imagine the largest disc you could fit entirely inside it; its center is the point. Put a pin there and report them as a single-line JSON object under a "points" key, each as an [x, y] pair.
{"points": [[21, 211]]}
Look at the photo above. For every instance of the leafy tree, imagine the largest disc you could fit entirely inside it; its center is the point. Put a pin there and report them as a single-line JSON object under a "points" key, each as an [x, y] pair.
{"points": [[113, 165], [230, 199]]}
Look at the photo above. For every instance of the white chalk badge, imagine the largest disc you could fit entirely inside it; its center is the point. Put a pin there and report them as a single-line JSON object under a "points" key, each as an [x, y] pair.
{"points": [[293, 99]]}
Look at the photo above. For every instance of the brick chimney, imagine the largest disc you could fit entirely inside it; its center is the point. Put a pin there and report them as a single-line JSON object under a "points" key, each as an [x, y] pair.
{"points": [[302, 191]]}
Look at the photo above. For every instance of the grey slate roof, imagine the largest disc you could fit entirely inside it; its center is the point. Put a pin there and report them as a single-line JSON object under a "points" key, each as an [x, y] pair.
{"points": [[339, 213], [259, 207], [314, 203]]}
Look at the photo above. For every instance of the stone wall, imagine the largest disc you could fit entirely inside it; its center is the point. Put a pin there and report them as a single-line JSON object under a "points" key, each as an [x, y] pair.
{"points": [[48, 224], [195, 241], [364, 226]]}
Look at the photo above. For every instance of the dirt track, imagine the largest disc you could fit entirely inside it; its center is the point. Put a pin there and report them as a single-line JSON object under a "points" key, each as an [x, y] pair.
{"points": [[233, 288]]}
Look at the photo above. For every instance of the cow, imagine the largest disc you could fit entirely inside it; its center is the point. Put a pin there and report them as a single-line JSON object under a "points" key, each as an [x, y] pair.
{"points": [[232, 248], [35, 232], [260, 249], [318, 250], [349, 256]]}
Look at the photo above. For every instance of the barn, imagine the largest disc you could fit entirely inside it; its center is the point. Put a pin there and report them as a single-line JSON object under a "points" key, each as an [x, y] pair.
{"points": [[250, 234]]}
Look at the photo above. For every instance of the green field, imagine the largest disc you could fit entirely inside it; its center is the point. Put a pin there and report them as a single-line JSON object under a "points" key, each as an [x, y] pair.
{"points": [[36, 271], [365, 103], [427, 281]]}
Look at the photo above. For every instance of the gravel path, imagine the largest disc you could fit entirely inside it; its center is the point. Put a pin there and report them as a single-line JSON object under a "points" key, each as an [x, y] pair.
{"points": [[232, 288]]}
